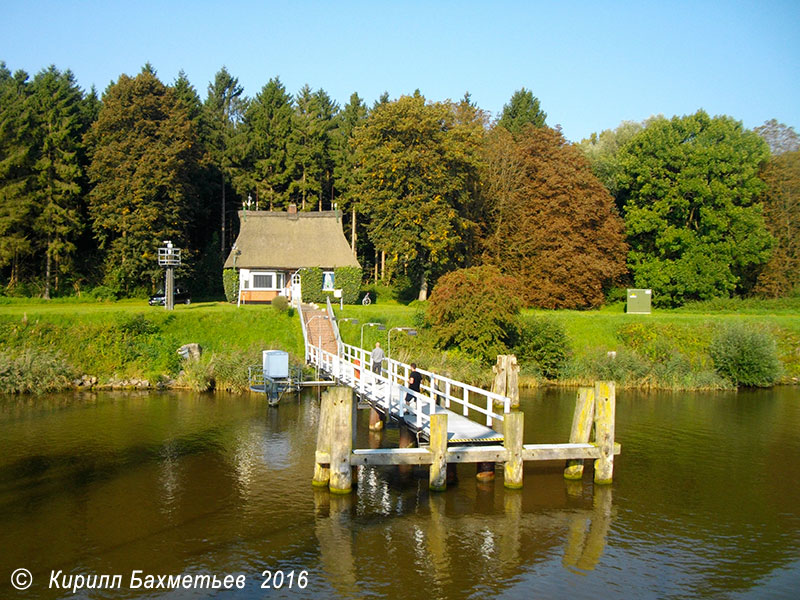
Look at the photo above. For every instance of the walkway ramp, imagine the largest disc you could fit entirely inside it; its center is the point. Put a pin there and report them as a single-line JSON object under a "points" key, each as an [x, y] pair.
{"points": [[388, 390]]}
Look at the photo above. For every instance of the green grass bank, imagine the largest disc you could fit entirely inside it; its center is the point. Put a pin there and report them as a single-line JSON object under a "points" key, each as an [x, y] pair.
{"points": [[668, 349], [46, 345], [125, 343]]}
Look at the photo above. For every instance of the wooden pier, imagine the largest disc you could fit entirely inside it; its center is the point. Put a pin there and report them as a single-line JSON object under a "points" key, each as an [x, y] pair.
{"points": [[451, 436], [336, 456]]}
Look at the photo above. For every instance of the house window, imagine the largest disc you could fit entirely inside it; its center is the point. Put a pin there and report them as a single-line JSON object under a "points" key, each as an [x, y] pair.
{"points": [[263, 281], [327, 281]]}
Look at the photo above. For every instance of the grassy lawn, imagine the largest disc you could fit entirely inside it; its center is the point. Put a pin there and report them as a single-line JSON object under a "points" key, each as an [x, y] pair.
{"points": [[131, 339], [592, 334]]}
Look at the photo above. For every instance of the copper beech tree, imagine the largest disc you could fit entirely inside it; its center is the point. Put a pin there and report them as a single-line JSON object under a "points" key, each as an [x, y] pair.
{"points": [[556, 227]]}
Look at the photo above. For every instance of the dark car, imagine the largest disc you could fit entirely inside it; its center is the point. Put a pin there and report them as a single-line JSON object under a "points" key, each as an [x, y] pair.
{"points": [[181, 296]]}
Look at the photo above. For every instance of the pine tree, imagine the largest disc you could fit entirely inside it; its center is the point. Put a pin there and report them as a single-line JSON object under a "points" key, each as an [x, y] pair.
{"points": [[56, 103], [143, 158], [309, 146], [351, 116], [269, 121], [523, 109], [225, 107], [17, 155]]}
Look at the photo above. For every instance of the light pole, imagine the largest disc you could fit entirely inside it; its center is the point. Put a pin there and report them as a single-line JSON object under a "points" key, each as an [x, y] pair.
{"points": [[381, 327], [408, 330]]}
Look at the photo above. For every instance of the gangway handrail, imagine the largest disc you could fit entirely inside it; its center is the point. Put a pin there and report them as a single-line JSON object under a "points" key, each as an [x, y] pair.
{"points": [[303, 323], [343, 366]]}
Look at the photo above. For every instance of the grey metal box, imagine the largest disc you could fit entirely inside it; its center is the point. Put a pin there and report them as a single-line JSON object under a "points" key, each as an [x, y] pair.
{"points": [[276, 364], [639, 301]]}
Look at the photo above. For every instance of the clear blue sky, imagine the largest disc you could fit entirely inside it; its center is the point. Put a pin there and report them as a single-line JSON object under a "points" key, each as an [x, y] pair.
{"points": [[592, 64]]}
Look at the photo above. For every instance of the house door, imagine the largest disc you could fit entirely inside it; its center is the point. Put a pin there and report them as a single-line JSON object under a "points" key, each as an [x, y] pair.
{"points": [[296, 295]]}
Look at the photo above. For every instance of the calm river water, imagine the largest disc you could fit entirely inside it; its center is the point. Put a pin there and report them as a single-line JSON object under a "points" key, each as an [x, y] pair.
{"points": [[705, 503]]}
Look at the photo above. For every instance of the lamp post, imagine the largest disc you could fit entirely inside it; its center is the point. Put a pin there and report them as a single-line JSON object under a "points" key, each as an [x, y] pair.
{"points": [[381, 327], [170, 257], [408, 330]]}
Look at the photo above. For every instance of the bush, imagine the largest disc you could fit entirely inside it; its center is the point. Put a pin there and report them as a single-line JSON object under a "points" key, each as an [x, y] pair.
{"points": [[230, 282], [474, 310], [544, 342], [746, 356], [624, 367], [280, 304], [33, 371]]}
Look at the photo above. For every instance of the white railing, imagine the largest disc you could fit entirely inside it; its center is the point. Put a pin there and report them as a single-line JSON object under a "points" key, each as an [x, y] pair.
{"points": [[352, 366]]}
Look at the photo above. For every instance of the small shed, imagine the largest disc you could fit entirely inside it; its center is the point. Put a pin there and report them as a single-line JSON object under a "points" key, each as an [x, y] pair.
{"points": [[273, 246]]}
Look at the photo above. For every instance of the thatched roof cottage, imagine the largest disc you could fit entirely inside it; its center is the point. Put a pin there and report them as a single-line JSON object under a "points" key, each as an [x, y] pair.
{"points": [[273, 246]]}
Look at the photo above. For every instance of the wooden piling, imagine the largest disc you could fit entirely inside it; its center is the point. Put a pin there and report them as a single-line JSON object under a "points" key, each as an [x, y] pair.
{"points": [[506, 378], [341, 441], [604, 414], [485, 471], [375, 420], [322, 460], [513, 445], [438, 446], [581, 429]]}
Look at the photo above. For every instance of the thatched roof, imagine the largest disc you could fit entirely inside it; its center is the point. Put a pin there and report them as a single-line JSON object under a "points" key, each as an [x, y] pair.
{"points": [[282, 240]]}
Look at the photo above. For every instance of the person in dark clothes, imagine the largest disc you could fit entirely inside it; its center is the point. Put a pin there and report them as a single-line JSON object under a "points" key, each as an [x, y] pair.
{"points": [[414, 381]]}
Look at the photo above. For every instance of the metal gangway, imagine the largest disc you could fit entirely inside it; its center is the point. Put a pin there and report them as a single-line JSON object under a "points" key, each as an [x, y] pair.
{"points": [[388, 393]]}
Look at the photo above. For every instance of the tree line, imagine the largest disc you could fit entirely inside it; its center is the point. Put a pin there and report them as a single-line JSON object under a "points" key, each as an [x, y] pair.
{"points": [[694, 207]]}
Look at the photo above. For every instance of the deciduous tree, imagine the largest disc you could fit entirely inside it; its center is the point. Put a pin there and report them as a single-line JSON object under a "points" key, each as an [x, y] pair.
{"points": [[782, 214], [690, 189], [413, 164], [556, 230]]}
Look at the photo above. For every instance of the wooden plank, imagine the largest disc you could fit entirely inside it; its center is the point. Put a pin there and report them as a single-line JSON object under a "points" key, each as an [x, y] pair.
{"points": [[473, 454], [391, 456]]}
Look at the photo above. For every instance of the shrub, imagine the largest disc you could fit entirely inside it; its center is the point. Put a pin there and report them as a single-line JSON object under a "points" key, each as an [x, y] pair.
{"points": [[348, 279], [745, 356], [544, 342], [198, 374], [230, 282], [33, 371], [280, 304], [311, 284], [474, 310], [624, 367], [230, 370]]}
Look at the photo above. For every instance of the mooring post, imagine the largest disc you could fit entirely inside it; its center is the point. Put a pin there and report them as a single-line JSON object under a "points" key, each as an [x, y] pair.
{"points": [[499, 384], [604, 414], [512, 387], [513, 444], [375, 420], [322, 470], [581, 429], [438, 446], [341, 478]]}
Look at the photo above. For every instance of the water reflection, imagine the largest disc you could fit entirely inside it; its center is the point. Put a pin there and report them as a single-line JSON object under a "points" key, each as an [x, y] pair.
{"points": [[484, 538], [704, 503]]}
